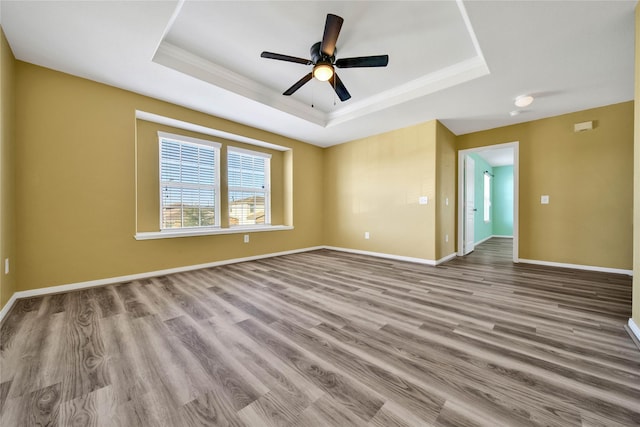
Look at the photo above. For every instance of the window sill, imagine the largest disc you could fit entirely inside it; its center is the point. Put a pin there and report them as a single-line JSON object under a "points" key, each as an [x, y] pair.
{"points": [[151, 235]]}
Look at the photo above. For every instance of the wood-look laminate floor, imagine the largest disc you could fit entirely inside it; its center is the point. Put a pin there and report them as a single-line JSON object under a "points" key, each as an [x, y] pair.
{"points": [[329, 339]]}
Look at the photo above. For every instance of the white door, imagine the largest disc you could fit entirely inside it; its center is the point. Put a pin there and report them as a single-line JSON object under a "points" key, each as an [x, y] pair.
{"points": [[469, 208]]}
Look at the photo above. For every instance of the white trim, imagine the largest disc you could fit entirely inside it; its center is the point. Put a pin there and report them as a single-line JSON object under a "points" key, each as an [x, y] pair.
{"points": [[191, 64], [383, 255], [577, 266], [444, 78], [188, 139], [634, 328], [180, 124], [170, 234], [111, 280], [516, 192], [248, 152], [502, 236], [446, 258], [7, 307]]}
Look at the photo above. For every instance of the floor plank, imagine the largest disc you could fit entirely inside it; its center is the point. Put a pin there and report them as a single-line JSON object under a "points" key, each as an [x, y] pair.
{"points": [[327, 338]]}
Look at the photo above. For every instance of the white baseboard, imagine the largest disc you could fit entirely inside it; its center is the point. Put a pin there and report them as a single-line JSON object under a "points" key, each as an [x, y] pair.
{"points": [[431, 262], [634, 328], [503, 236], [577, 266], [101, 282], [8, 306], [446, 258]]}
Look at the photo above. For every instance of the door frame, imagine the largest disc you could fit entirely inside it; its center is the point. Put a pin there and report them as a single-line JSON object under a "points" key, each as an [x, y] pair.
{"points": [[467, 234], [516, 193]]}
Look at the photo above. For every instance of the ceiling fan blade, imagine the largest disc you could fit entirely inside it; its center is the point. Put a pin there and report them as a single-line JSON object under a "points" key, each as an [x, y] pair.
{"points": [[298, 84], [287, 58], [331, 30], [363, 61], [339, 87]]}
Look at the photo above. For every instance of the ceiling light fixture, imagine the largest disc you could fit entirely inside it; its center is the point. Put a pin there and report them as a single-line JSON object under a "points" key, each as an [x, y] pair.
{"points": [[514, 113], [524, 101], [323, 71]]}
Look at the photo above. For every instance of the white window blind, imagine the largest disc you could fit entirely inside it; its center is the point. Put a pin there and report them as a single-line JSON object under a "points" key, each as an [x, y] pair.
{"points": [[189, 182], [249, 187], [487, 196]]}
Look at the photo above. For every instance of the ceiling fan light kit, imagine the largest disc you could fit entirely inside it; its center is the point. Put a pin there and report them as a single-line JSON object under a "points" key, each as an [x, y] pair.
{"points": [[323, 60], [323, 71]]}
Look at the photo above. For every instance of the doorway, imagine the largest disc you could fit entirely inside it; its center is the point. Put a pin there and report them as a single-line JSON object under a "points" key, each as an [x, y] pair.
{"points": [[476, 221]]}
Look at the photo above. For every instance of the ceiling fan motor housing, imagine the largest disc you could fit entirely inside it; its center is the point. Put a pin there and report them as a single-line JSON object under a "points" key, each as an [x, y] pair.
{"points": [[317, 56]]}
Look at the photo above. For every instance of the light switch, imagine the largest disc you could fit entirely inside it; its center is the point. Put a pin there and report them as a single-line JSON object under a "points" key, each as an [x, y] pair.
{"points": [[423, 200], [544, 200]]}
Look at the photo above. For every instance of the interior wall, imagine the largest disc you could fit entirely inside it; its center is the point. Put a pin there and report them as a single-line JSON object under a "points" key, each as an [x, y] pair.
{"points": [[7, 170], [589, 178], [75, 185], [481, 230], [636, 180], [446, 191], [374, 185], [502, 201]]}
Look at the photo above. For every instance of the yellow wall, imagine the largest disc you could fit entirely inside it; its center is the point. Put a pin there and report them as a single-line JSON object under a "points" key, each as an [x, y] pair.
{"points": [[373, 184], [7, 170], [636, 187], [75, 185], [75, 193], [589, 179], [446, 191]]}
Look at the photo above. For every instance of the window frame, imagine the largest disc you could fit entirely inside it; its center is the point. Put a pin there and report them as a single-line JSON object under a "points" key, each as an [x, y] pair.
{"points": [[486, 197], [187, 140], [266, 189]]}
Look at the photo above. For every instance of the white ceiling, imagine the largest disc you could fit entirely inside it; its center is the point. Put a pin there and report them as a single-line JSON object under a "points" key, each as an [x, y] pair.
{"points": [[460, 62], [497, 156]]}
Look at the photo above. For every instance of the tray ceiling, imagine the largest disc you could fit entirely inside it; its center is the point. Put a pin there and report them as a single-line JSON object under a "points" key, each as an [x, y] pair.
{"points": [[460, 62]]}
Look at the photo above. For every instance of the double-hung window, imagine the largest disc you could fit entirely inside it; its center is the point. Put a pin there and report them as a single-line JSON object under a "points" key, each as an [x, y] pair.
{"points": [[189, 182], [249, 187]]}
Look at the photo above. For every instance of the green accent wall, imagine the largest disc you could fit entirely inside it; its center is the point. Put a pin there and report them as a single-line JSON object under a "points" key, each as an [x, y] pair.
{"points": [[502, 201], [481, 229]]}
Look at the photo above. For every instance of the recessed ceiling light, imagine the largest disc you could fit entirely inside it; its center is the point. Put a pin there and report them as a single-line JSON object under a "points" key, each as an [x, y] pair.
{"points": [[514, 113], [524, 101]]}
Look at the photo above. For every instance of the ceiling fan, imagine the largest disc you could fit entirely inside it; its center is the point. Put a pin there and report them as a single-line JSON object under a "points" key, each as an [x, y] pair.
{"points": [[323, 59]]}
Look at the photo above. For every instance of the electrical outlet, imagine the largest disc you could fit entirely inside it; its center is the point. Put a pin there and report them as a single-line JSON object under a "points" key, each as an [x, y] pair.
{"points": [[446, 237], [446, 201], [6, 266], [246, 238], [366, 235]]}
